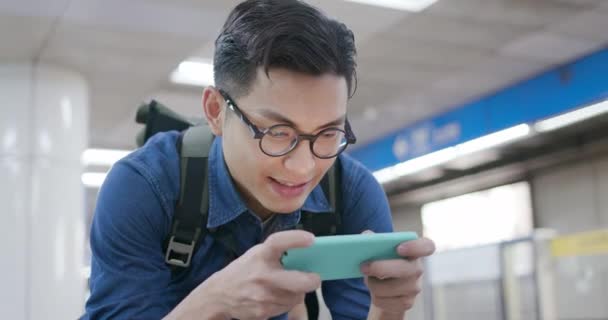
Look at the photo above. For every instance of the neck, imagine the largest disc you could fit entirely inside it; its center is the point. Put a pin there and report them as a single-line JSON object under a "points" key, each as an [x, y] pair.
{"points": [[252, 203]]}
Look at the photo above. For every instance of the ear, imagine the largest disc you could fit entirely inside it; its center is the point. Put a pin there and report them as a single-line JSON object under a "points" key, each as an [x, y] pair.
{"points": [[214, 111]]}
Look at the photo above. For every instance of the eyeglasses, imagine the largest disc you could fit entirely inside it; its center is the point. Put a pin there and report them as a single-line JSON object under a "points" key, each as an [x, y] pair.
{"points": [[278, 140]]}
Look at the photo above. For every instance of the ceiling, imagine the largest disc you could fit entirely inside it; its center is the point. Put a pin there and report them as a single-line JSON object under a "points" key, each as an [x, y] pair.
{"points": [[411, 65]]}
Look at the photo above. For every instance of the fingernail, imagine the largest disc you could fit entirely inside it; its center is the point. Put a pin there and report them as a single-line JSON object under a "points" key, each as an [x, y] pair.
{"points": [[402, 248]]}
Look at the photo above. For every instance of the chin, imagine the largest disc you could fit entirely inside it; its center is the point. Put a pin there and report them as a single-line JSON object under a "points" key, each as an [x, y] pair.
{"points": [[286, 208]]}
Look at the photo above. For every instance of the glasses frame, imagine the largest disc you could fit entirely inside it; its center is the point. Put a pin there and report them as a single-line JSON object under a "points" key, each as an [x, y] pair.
{"points": [[259, 133]]}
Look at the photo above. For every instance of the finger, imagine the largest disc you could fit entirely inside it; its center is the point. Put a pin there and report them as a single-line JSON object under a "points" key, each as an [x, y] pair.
{"points": [[282, 297], [367, 232], [266, 301], [277, 243], [393, 287], [267, 310], [394, 268], [395, 304], [418, 248], [296, 281]]}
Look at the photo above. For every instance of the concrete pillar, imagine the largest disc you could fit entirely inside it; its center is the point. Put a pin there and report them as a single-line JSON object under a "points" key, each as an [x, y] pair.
{"points": [[43, 132]]}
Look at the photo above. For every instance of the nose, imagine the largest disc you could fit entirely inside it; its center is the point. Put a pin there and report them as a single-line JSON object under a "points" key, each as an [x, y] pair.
{"points": [[300, 161]]}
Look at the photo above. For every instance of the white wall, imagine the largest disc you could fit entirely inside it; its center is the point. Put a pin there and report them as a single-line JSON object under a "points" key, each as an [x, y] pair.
{"points": [[407, 219], [572, 197], [601, 168]]}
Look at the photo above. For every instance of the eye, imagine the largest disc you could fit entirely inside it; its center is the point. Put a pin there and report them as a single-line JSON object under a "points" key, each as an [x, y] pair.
{"points": [[280, 132], [329, 134]]}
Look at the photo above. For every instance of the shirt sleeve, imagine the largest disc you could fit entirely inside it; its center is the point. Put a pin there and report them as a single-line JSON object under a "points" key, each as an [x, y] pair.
{"points": [[365, 208], [129, 279]]}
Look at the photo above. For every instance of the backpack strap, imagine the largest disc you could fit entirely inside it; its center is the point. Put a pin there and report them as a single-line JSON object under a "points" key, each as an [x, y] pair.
{"points": [[327, 223], [190, 218]]}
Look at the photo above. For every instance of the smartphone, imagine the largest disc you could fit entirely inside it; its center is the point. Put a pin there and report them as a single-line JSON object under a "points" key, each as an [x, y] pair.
{"points": [[340, 257]]}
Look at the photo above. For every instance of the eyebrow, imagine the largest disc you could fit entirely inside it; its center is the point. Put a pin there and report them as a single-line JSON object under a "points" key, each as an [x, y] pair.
{"points": [[272, 115]]}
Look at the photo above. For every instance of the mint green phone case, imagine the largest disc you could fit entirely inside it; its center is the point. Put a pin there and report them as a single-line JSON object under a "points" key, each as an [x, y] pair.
{"points": [[340, 257]]}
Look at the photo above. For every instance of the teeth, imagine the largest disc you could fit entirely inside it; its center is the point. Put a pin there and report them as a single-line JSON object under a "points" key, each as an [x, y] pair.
{"points": [[286, 183]]}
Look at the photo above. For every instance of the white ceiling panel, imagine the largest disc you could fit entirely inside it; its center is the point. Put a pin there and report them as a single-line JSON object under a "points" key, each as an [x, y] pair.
{"points": [[411, 65], [364, 20], [469, 83], [25, 44], [511, 69], [424, 53], [591, 25], [372, 94], [550, 47], [531, 13], [459, 31], [34, 8], [587, 3], [404, 75], [95, 39], [146, 16], [390, 117]]}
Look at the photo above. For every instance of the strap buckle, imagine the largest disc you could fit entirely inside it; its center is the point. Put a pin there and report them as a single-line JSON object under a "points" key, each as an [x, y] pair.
{"points": [[179, 254]]}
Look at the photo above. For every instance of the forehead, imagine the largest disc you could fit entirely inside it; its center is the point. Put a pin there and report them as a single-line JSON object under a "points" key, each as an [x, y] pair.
{"points": [[297, 96]]}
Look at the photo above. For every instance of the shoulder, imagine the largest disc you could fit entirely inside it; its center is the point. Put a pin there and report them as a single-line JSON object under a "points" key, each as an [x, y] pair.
{"points": [[157, 162], [356, 177], [365, 203], [136, 201]]}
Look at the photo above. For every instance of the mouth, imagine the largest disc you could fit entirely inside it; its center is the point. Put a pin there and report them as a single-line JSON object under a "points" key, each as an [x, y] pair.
{"points": [[288, 189]]}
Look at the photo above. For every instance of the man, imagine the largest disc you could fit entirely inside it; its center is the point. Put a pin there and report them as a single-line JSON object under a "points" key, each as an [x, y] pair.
{"points": [[283, 75]]}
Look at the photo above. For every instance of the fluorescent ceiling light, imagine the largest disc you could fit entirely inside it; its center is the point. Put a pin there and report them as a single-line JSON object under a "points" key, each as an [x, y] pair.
{"points": [[493, 139], [93, 179], [448, 154], [196, 72], [415, 165], [572, 117], [407, 5], [102, 157]]}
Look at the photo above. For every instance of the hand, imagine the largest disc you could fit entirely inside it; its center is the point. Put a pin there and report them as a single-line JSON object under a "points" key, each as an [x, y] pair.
{"points": [[255, 286], [394, 284], [299, 312]]}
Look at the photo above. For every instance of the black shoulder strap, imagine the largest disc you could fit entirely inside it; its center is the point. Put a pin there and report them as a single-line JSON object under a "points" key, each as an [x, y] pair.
{"points": [[190, 217], [327, 223]]}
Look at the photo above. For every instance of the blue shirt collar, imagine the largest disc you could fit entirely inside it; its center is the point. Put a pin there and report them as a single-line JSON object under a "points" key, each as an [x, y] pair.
{"points": [[226, 204]]}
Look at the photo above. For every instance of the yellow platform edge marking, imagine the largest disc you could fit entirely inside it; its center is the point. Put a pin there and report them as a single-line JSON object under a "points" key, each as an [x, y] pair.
{"points": [[581, 244]]}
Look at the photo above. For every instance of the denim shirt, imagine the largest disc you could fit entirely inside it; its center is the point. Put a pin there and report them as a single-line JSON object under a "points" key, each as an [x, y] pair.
{"points": [[135, 206]]}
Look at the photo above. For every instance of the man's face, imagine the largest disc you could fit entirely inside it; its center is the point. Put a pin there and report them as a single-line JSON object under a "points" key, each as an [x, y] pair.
{"points": [[309, 104]]}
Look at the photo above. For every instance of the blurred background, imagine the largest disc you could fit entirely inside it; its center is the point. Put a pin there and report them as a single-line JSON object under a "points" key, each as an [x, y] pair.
{"points": [[486, 121]]}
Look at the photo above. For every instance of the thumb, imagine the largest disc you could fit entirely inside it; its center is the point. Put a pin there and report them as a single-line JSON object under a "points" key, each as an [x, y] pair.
{"points": [[367, 232], [277, 243]]}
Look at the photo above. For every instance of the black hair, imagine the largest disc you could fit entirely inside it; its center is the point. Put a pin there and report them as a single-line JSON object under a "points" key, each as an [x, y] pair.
{"points": [[286, 34]]}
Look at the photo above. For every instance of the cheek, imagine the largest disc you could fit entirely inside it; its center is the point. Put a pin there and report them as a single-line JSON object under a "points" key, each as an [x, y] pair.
{"points": [[323, 165], [240, 143], [254, 164]]}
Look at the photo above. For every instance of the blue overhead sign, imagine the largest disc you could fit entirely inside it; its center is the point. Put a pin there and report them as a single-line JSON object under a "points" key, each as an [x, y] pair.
{"points": [[562, 89]]}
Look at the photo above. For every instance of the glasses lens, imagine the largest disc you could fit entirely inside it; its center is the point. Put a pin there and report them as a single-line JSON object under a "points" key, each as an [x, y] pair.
{"points": [[279, 140], [329, 143]]}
